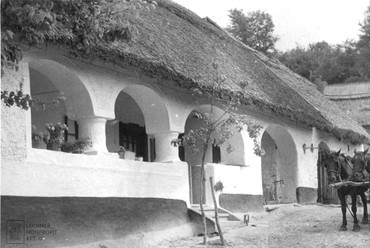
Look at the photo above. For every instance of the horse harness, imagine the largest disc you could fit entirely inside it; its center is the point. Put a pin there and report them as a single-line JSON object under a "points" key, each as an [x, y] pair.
{"points": [[341, 161]]}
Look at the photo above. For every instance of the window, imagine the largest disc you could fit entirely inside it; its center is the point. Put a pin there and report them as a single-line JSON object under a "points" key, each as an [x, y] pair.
{"points": [[72, 132], [216, 154]]}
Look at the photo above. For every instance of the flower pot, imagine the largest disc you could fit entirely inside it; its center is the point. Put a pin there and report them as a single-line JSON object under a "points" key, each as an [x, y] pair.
{"points": [[52, 146], [35, 144]]}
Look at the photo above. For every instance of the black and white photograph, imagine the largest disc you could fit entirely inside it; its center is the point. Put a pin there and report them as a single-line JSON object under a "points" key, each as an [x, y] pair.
{"points": [[185, 123]]}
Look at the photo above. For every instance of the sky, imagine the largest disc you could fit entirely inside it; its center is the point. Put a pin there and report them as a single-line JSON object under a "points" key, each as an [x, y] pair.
{"points": [[297, 22]]}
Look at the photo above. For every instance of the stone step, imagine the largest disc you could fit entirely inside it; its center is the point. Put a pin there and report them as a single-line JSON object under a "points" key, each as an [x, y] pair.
{"points": [[223, 214], [220, 216], [207, 208], [226, 219]]}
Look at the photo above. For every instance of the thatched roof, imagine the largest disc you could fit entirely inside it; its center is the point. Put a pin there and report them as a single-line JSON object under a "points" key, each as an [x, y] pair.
{"points": [[353, 99], [176, 44]]}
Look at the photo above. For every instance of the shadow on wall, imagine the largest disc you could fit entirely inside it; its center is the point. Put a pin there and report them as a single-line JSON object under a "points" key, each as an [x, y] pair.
{"points": [[79, 221]]}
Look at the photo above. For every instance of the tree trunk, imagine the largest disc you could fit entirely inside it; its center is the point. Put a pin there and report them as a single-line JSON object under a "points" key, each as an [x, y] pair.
{"points": [[216, 212], [202, 192]]}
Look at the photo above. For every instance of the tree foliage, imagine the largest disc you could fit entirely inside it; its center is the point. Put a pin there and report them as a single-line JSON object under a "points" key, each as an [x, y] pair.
{"points": [[321, 62], [363, 46], [79, 25], [254, 29]]}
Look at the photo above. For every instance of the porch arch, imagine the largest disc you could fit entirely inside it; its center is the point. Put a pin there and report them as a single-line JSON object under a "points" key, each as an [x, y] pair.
{"points": [[153, 107], [214, 154], [48, 79], [149, 108], [279, 165], [236, 157], [78, 103]]}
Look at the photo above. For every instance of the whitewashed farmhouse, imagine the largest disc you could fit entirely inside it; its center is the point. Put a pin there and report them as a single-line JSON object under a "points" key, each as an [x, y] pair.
{"points": [[140, 97]]}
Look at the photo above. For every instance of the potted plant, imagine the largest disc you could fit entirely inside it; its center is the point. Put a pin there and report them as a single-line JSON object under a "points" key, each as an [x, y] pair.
{"points": [[56, 135], [77, 146], [37, 137], [126, 154]]}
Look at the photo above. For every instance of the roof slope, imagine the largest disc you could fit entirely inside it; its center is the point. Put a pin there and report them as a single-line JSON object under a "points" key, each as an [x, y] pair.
{"points": [[353, 99], [176, 44]]}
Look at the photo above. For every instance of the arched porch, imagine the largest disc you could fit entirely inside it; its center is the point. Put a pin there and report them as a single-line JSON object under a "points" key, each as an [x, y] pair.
{"points": [[279, 166]]}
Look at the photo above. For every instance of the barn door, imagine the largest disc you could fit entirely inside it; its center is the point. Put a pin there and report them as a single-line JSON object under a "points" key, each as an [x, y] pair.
{"points": [[326, 194]]}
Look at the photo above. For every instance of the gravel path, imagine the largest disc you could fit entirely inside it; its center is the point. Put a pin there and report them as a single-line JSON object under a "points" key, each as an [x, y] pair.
{"points": [[289, 226]]}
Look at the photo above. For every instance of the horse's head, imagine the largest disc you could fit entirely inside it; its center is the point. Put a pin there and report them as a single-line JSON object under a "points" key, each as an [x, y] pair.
{"points": [[332, 164], [359, 161]]}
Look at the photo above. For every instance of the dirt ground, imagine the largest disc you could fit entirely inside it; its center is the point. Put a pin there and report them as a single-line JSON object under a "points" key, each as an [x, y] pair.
{"points": [[290, 225]]}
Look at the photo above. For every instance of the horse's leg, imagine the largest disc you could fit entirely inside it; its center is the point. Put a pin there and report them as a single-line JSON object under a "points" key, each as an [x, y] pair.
{"points": [[343, 204], [356, 226], [365, 219]]}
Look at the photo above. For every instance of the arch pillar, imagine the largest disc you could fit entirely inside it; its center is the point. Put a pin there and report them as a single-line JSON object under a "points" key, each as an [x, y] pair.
{"points": [[165, 151], [94, 128]]}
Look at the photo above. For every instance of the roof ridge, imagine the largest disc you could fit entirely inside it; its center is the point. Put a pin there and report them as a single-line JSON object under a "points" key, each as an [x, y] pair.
{"points": [[348, 96], [348, 83]]}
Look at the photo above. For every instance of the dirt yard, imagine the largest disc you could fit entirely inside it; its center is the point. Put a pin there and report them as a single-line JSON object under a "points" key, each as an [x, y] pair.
{"points": [[289, 226]]}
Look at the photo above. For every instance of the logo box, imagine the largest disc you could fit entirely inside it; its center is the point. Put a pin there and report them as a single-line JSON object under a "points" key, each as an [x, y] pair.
{"points": [[15, 232]]}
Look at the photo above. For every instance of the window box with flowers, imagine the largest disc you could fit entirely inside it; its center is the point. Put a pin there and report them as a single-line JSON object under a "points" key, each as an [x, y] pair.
{"points": [[56, 136]]}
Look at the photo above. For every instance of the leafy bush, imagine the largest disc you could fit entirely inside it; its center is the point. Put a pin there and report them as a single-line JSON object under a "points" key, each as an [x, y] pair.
{"points": [[219, 186], [77, 146]]}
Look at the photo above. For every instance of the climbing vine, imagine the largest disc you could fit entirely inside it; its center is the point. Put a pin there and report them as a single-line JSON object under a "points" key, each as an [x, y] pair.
{"points": [[79, 25]]}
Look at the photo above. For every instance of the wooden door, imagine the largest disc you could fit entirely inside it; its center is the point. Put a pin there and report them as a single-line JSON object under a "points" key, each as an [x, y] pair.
{"points": [[326, 194]]}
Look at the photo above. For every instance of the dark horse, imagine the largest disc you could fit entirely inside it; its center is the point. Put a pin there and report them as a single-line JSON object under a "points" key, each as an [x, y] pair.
{"points": [[339, 169]]}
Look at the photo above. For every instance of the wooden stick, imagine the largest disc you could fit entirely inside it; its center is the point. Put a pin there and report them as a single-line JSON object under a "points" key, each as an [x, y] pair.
{"points": [[349, 183]]}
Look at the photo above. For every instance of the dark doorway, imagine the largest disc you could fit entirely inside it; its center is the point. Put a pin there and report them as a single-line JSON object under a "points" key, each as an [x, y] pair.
{"points": [[134, 138]]}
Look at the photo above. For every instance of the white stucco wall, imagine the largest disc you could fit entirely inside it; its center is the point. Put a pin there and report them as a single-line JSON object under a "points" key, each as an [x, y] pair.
{"points": [[48, 173], [15, 122], [235, 179]]}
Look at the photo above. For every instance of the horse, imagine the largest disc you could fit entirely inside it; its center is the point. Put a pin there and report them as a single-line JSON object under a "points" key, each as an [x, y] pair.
{"points": [[338, 170], [361, 163]]}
